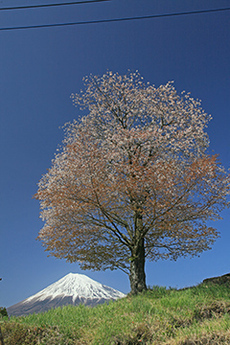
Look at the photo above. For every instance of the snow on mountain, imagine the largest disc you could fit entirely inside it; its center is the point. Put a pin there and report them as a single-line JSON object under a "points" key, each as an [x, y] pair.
{"points": [[77, 285], [72, 289]]}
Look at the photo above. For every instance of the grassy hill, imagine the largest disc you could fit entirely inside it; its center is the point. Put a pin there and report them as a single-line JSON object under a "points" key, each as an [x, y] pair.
{"points": [[193, 316]]}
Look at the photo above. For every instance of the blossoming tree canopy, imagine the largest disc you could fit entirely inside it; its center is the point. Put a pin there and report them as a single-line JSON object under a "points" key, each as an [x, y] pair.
{"points": [[133, 180]]}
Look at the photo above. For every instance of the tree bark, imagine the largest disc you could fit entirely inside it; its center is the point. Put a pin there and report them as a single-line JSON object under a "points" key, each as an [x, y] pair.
{"points": [[1, 337], [137, 269]]}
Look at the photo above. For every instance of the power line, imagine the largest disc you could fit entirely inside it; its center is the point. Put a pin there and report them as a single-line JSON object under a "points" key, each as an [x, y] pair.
{"points": [[50, 5], [115, 19]]}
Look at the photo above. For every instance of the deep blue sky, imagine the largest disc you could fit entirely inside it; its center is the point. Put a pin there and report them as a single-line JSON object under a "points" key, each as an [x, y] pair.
{"points": [[39, 70]]}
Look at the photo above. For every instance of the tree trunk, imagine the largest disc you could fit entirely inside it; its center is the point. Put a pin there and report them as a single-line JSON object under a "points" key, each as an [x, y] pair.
{"points": [[137, 269], [1, 337]]}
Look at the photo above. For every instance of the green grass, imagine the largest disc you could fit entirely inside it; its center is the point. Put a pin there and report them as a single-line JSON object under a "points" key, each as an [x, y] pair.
{"points": [[194, 316]]}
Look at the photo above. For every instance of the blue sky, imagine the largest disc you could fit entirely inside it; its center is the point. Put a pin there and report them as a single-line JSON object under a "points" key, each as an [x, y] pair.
{"points": [[40, 68]]}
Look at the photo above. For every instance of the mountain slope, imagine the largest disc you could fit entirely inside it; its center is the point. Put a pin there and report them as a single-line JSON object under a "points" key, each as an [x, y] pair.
{"points": [[72, 289], [195, 315]]}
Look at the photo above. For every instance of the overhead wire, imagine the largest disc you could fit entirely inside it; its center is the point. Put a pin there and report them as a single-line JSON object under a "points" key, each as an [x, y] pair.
{"points": [[115, 19], [50, 5]]}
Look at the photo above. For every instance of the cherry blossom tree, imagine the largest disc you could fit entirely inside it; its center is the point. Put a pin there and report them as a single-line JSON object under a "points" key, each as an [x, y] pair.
{"points": [[133, 179]]}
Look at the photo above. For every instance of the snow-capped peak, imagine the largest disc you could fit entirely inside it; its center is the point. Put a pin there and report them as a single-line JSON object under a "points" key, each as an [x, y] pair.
{"points": [[77, 286]]}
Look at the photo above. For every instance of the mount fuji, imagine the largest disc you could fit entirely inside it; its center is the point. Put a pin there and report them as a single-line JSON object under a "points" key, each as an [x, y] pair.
{"points": [[72, 289]]}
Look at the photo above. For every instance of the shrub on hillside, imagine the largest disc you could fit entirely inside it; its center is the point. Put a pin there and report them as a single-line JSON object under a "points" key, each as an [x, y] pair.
{"points": [[15, 333], [3, 312]]}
